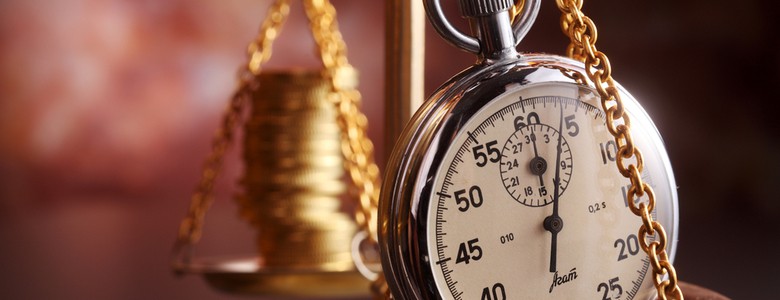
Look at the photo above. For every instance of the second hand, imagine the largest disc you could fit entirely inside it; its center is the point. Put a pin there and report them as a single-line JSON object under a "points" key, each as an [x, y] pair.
{"points": [[554, 223]]}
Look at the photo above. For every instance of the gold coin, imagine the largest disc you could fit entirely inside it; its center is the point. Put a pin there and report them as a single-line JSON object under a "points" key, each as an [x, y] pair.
{"points": [[297, 129], [281, 191], [312, 143], [304, 150], [275, 217], [312, 116], [300, 220], [332, 242], [301, 177], [263, 203], [299, 164], [282, 254], [292, 131], [309, 246], [257, 173], [319, 243], [299, 217], [309, 121], [276, 193], [269, 219], [319, 221], [299, 224]]}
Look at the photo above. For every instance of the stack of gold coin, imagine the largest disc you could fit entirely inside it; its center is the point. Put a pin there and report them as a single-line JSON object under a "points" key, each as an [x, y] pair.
{"points": [[294, 173]]}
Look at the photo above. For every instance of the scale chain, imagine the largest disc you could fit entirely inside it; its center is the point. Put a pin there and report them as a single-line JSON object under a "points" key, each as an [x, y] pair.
{"points": [[583, 35], [355, 144], [258, 52]]}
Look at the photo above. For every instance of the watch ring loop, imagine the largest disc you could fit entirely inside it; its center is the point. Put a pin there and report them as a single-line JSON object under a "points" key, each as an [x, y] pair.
{"points": [[520, 27]]}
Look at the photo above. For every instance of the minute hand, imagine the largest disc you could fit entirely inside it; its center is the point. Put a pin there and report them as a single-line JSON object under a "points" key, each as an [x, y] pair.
{"points": [[554, 223]]}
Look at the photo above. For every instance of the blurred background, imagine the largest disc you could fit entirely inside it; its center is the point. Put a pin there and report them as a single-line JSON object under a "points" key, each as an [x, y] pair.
{"points": [[107, 108]]}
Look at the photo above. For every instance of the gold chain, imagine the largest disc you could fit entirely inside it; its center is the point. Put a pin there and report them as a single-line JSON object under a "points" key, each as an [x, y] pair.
{"points": [[516, 9], [582, 34], [259, 51], [355, 144]]}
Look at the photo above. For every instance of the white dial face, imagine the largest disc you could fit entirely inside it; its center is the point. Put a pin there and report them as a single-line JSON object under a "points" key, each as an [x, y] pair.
{"points": [[528, 204]]}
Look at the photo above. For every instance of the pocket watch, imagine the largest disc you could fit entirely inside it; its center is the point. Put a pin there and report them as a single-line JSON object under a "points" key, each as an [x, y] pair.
{"points": [[504, 184]]}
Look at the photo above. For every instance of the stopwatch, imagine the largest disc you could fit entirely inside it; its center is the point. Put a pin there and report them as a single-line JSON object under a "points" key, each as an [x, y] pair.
{"points": [[503, 185]]}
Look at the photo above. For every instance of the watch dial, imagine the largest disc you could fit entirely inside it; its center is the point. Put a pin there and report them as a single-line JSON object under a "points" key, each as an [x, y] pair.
{"points": [[527, 203]]}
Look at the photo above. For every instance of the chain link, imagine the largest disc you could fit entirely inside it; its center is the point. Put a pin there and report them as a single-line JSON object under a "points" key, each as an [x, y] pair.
{"points": [[583, 35], [258, 51], [516, 9]]}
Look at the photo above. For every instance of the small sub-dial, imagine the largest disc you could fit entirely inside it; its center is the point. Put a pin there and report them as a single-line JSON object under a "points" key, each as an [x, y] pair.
{"points": [[528, 161]]}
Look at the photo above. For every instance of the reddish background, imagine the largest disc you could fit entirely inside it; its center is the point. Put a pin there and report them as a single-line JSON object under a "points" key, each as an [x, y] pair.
{"points": [[107, 108]]}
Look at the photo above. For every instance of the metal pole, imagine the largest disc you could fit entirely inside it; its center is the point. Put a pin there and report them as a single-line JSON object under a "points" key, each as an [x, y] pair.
{"points": [[404, 65]]}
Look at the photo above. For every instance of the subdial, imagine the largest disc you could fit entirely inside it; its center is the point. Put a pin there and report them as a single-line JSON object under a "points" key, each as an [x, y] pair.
{"points": [[527, 162]]}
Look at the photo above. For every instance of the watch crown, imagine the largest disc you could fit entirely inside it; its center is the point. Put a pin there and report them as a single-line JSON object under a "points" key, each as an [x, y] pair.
{"points": [[476, 8]]}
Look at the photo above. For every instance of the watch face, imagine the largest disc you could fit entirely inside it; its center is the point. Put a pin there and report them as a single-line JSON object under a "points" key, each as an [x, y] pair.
{"points": [[517, 196]]}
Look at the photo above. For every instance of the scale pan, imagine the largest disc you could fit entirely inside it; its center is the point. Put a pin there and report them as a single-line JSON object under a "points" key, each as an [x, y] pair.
{"points": [[248, 276]]}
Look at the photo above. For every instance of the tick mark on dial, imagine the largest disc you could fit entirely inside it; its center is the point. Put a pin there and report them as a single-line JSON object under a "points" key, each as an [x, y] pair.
{"points": [[471, 135], [444, 260]]}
